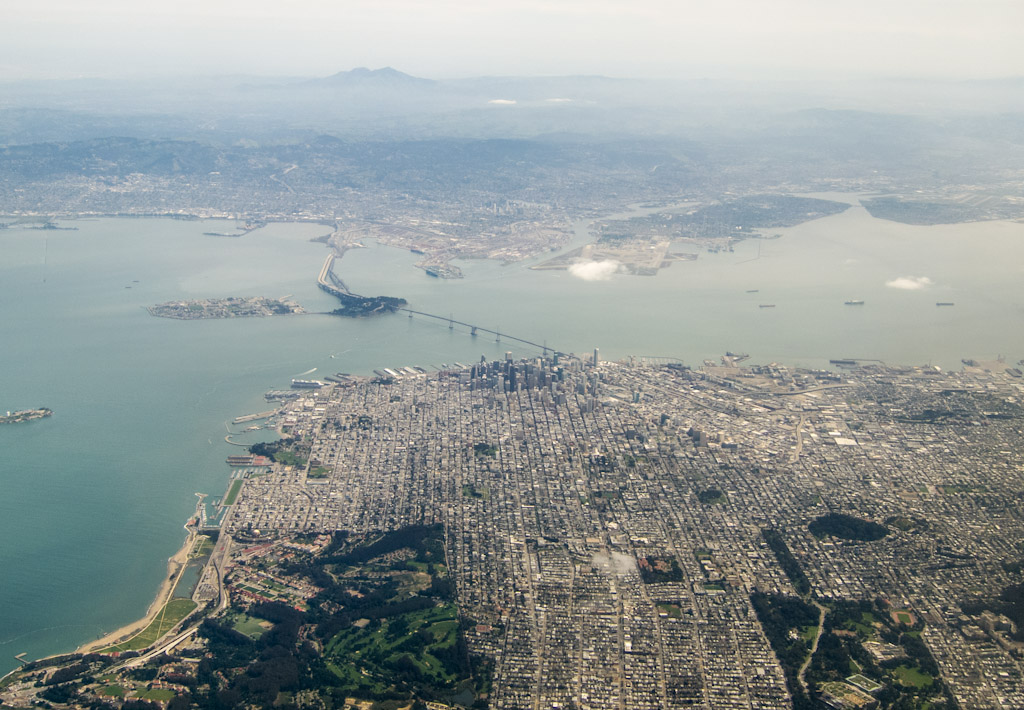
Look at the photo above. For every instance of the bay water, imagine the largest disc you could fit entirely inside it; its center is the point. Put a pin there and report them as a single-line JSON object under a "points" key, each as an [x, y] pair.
{"points": [[92, 500]]}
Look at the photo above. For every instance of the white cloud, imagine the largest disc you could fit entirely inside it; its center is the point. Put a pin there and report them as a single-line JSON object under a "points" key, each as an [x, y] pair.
{"points": [[558, 101], [910, 283], [502, 102], [594, 270], [616, 562]]}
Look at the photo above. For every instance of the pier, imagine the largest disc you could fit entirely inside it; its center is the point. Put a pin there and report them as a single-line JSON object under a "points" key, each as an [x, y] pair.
{"points": [[253, 417]]}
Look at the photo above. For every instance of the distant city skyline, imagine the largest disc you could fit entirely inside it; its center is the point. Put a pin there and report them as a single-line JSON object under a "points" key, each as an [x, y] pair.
{"points": [[734, 39]]}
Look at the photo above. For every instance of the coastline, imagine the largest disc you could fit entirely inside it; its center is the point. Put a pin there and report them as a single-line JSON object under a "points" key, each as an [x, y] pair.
{"points": [[175, 566], [126, 629]]}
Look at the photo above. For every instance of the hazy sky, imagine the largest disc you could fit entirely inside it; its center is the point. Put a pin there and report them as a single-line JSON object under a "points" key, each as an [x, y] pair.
{"points": [[452, 38]]}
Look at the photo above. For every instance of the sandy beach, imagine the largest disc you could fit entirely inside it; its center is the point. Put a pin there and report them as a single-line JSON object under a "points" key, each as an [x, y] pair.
{"points": [[175, 565]]}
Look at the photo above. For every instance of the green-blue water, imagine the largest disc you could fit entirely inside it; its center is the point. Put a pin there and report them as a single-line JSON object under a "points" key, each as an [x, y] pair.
{"points": [[92, 500]]}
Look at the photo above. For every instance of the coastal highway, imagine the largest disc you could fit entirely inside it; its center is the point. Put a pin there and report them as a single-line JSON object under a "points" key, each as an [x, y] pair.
{"points": [[159, 649], [216, 565]]}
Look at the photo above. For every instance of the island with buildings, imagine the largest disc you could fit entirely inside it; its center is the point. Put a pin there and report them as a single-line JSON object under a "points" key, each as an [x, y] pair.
{"points": [[232, 307], [353, 305]]}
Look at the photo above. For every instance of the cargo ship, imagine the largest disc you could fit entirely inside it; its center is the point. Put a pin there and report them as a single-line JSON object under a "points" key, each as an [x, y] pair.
{"points": [[767, 305], [854, 302], [945, 303]]}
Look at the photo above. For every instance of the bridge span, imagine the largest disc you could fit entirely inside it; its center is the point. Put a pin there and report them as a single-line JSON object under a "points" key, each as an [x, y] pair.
{"points": [[474, 329], [333, 285]]}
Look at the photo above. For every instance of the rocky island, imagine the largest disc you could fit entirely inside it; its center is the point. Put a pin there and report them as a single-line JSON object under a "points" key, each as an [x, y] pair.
{"points": [[354, 306], [25, 415]]}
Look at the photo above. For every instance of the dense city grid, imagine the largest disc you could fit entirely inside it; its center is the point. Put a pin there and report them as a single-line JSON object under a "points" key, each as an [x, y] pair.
{"points": [[560, 483]]}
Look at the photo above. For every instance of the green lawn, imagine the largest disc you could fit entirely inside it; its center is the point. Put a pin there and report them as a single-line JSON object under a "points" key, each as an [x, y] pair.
{"points": [[411, 582], [444, 631], [913, 677], [173, 612], [204, 546], [158, 694], [672, 610], [250, 626], [288, 458], [236, 486], [866, 631], [362, 655], [113, 691]]}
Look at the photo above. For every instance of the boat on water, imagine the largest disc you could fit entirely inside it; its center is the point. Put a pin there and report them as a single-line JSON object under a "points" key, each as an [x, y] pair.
{"points": [[307, 384], [854, 302], [945, 303], [767, 305]]}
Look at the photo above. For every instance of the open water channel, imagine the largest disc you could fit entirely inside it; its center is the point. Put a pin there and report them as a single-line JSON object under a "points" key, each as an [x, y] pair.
{"points": [[92, 500]]}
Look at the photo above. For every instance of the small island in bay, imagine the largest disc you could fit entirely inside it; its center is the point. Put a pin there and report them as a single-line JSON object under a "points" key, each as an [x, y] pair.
{"points": [[352, 304], [225, 308], [25, 415], [355, 306]]}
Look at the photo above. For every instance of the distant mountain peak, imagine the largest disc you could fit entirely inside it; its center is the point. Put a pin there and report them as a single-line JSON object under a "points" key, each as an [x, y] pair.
{"points": [[362, 76]]}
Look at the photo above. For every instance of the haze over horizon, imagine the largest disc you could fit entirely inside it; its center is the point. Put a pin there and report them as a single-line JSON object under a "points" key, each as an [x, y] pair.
{"points": [[736, 39]]}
